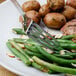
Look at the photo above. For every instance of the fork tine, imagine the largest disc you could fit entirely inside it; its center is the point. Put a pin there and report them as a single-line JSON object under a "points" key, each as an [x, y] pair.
{"points": [[45, 33], [50, 46], [46, 39], [40, 35], [42, 42]]}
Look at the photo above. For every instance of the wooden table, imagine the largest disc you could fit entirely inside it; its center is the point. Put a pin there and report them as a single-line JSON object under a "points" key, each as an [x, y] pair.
{"points": [[3, 71]]}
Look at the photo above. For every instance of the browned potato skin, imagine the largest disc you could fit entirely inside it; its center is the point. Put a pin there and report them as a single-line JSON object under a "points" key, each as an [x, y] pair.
{"points": [[44, 10], [56, 4], [34, 15], [54, 20], [31, 5], [71, 3], [69, 12]]}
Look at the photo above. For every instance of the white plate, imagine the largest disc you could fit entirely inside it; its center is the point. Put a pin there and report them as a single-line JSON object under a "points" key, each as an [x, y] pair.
{"points": [[9, 19]]}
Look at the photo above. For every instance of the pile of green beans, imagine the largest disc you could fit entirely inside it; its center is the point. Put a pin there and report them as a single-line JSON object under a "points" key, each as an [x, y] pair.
{"points": [[34, 54]]}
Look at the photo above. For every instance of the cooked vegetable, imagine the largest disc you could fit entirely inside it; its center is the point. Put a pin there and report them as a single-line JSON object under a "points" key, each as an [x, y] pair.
{"points": [[34, 15], [44, 10], [55, 67], [34, 54], [26, 60], [27, 54], [31, 5], [18, 31], [15, 45], [65, 41], [68, 37], [71, 3], [54, 20], [42, 68], [56, 4], [69, 12], [55, 59], [64, 56], [18, 54], [71, 54], [68, 45]]}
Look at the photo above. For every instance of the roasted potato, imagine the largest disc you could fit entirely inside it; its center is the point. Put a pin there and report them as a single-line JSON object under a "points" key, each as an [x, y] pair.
{"points": [[31, 5], [54, 20], [56, 4], [34, 15], [69, 12], [71, 3], [44, 10]]}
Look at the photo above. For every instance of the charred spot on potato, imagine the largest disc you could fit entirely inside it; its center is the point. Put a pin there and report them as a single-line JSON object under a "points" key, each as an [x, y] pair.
{"points": [[53, 19], [56, 4], [62, 20]]}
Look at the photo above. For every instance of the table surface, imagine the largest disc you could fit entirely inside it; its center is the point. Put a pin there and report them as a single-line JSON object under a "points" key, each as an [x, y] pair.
{"points": [[3, 71]]}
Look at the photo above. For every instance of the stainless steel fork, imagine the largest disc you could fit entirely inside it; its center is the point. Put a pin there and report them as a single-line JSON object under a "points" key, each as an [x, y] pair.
{"points": [[35, 32]]}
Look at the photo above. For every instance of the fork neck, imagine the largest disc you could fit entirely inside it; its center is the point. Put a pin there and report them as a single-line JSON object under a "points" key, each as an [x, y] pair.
{"points": [[17, 5]]}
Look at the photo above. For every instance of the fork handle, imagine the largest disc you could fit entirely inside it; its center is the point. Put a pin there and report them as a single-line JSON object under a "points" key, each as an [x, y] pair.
{"points": [[17, 5]]}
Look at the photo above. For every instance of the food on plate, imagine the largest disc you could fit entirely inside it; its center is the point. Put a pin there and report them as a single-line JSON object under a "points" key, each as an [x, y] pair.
{"points": [[31, 5], [44, 10], [69, 28], [56, 4], [71, 3], [69, 12], [52, 54], [33, 54], [54, 20], [34, 15], [75, 16]]}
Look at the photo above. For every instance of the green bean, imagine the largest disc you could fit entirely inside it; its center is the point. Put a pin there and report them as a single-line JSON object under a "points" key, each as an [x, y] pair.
{"points": [[64, 41], [35, 54], [54, 58], [68, 46], [42, 68], [67, 37], [51, 47], [18, 54], [71, 54], [18, 48], [19, 31], [64, 56], [19, 40], [54, 67], [31, 48]]}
